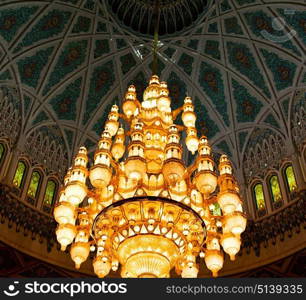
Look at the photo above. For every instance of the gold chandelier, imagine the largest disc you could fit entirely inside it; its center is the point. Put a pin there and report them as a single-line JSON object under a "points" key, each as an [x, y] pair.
{"points": [[139, 205]]}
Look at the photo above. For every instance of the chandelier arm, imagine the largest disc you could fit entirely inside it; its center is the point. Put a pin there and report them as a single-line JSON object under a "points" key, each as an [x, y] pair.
{"points": [[176, 112]]}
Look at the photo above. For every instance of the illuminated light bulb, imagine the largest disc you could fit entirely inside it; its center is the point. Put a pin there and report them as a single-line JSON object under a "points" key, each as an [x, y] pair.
{"points": [[214, 261], [228, 201], [65, 234], [206, 182], [163, 103], [188, 115], [79, 253], [231, 244], [75, 192], [192, 141], [100, 175], [112, 127], [129, 106], [235, 222], [118, 150], [101, 266], [190, 271], [64, 212]]}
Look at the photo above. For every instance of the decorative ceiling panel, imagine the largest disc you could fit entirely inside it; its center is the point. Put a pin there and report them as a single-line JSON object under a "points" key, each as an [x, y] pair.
{"points": [[240, 60]]}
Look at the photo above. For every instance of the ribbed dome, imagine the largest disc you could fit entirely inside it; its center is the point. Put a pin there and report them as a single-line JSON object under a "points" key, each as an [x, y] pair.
{"points": [[69, 61]]}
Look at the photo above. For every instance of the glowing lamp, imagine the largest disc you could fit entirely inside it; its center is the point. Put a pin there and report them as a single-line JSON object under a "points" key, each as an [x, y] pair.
{"points": [[102, 266], [206, 182], [100, 176], [64, 212], [192, 143], [65, 234], [228, 201], [214, 261], [173, 170], [235, 223], [189, 118], [231, 244], [129, 107], [190, 271], [135, 168], [75, 192], [118, 150], [79, 252], [163, 103], [112, 127]]}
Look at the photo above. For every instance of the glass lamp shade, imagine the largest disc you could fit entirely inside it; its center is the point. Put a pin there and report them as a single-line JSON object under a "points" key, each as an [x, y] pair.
{"points": [[100, 176], [64, 213], [129, 107], [75, 192], [206, 182], [228, 201], [190, 272], [79, 252], [112, 127], [189, 118], [135, 168], [118, 150], [65, 234], [102, 266], [163, 103], [214, 261], [173, 171], [192, 143], [231, 244], [235, 223]]}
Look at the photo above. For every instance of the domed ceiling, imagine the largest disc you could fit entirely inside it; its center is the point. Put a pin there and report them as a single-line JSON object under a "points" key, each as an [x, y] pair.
{"points": [[242, 62]]}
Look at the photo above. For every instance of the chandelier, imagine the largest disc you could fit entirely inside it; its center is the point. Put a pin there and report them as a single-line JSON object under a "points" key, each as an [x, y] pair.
{"points": [[139, 206]]}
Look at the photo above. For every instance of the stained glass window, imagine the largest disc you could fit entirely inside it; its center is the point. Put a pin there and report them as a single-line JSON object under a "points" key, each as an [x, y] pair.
{"points": [[19, 174], [1, 152], [50, 193], [259, 196], [216, 210], [290, 178], [34, 184], [275, 189]]}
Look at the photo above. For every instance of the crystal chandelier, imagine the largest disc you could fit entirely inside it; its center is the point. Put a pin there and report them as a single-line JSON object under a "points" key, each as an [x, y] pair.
{"points": [[140, 206]]}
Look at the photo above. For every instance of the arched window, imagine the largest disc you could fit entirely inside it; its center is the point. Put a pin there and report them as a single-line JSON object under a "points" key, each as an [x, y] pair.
{"points": [[259, 197], [275, 189], [2, 152], [19, 174], [50, 193], [290, 178], [34, 184]]}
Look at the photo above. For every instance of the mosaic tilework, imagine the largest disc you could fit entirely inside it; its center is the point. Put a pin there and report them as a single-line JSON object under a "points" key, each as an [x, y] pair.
{"points": [[177, 89], [71, 57], [101, 48], [42, 116], [185, 62], [101, 80], [50, 25], [247, 106], [30, 68], [283, 70], [261, 26], [82, 25], [12, 20], [204, 123], [127, 62], [232, 25], [212, 49], [64, 104], [243, 61], [211, 81], [271, 121]]}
